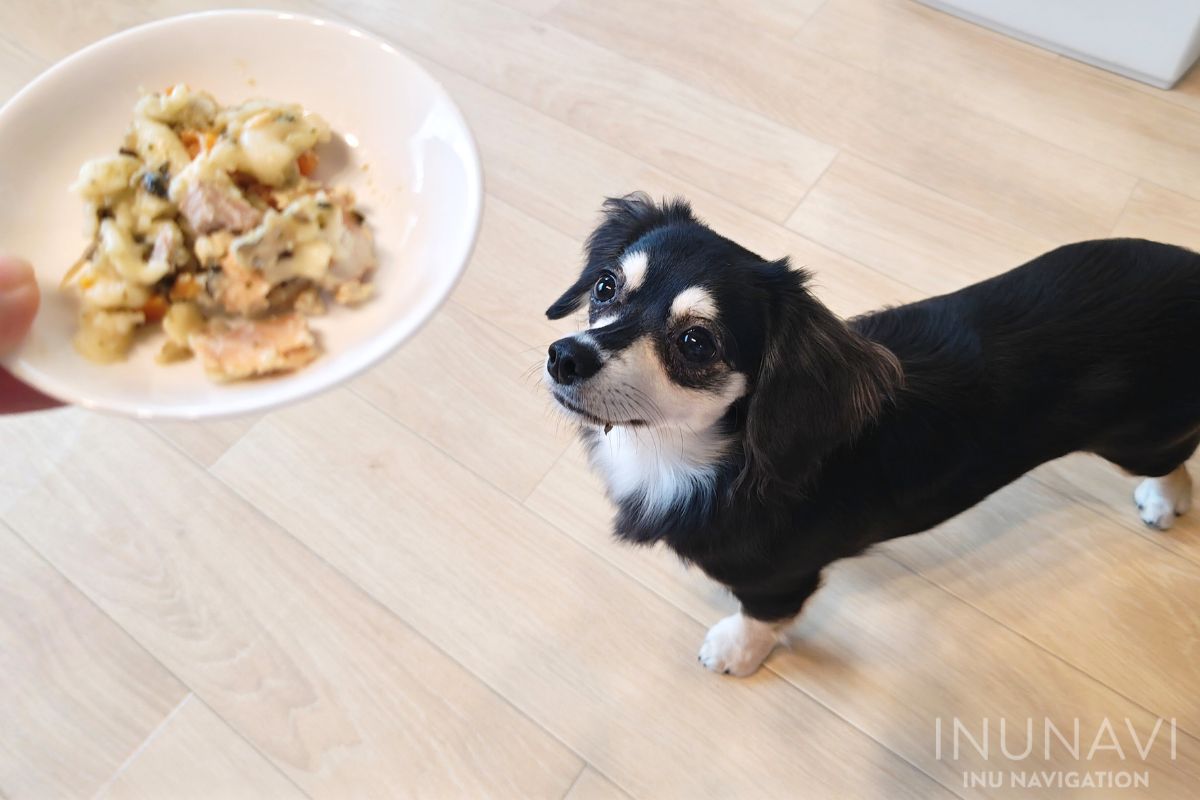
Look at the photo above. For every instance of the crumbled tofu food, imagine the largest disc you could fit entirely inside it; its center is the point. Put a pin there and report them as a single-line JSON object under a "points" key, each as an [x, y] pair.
{"points": [[208, 221], [181, 321], [104, 336]]}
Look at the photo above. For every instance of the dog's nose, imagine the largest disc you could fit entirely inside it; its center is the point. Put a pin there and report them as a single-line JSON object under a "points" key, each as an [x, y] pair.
{"points": [[570, 360]]}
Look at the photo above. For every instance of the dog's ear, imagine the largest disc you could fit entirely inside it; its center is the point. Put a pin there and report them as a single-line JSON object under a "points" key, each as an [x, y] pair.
{"points": [[624, 221], [820, 385], [571, 299]]}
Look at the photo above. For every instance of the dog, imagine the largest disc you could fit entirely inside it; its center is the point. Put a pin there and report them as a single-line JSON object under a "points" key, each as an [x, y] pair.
{"points": [[740, 422]]}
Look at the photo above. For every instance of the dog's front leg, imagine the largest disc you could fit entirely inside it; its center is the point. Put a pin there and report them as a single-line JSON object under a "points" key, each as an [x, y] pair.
{"points": [[738, 644]]}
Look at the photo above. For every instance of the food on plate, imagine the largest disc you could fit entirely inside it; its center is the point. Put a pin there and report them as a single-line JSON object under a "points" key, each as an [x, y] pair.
{"points": [[210, 223]]}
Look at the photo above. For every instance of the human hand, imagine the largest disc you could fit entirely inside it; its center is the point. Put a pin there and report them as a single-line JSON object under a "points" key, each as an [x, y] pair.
{"points": [[18, 306]]}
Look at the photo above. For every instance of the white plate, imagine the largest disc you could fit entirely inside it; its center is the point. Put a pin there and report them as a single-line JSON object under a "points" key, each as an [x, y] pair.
{"points": [[404, 149]]}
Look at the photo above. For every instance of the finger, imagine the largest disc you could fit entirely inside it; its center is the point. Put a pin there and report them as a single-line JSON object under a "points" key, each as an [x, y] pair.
{"points": [[18, 302], [16, 397]]}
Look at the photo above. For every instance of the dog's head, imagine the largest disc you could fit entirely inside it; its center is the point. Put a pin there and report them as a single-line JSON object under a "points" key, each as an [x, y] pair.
{"points": [[690, 331]]}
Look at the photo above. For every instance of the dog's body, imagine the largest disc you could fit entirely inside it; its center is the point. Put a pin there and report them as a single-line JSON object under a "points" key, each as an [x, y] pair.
{"points": [[833, 437]]}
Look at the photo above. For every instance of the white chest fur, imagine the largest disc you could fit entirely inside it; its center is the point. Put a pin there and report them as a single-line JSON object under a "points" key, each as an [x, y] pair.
{"points": [[657, 467]]}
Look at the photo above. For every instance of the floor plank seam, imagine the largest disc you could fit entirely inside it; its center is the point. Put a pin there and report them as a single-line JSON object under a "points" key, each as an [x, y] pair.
{"points": [[355, 586], [758, 116], [1093, 504], [790, 231], [184, 452], [903, 758], [542, 480], [578, 775], [396, 615], [148, 654], [1058, 657], [956, 597], [1122, 597], [800, 203], [799, 31], [636, 581], [266, 758], [833, 248], [688, 185], [7, 526], [484, 478], [403, 423], [703, 625], [1001, 120], [1112, 231], [39, 62], [887, 83], [840, 151], [452, 457], [958, 204], [141, 748], [625, 154], [496, 326]]}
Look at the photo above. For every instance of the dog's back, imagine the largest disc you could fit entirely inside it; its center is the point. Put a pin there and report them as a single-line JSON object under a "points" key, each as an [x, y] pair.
{"points": [[1087, 347]]}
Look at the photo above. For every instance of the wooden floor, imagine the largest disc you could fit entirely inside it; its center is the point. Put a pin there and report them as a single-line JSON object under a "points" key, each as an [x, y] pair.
{"points": [[406, 587]]}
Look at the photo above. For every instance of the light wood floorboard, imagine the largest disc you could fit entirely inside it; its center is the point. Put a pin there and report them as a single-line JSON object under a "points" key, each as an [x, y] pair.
{"points": [[407, 587]]}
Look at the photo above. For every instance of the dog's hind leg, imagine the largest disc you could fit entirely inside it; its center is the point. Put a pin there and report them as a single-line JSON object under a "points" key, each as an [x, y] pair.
{"points": [[1160, 500], [1167, 491]]}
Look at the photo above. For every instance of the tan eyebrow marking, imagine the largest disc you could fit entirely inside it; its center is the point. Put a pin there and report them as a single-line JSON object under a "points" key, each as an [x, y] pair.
{"points": [[694, 302], [634, 265]]}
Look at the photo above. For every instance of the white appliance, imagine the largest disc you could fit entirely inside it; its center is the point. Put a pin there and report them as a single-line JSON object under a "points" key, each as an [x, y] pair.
{"points": [[1153, 41]]}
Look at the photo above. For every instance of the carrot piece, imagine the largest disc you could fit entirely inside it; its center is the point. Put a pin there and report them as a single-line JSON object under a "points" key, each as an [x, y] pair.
{"points": [[307, 162], [198, 142], [186, 287], [191, 140], [155, 308]]}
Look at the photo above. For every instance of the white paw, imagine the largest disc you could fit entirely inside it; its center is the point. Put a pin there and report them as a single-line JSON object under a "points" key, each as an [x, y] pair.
{"points": [[737, 645], [1160, 500]]}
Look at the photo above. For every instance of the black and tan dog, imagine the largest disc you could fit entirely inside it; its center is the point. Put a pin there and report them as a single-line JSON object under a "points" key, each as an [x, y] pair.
{"points": [[739, 421]]}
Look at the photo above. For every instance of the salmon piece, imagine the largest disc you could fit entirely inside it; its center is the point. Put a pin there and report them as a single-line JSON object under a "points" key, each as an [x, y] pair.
{"points": [[241, 348], [207, 208], [166, 243], [240, 290]]}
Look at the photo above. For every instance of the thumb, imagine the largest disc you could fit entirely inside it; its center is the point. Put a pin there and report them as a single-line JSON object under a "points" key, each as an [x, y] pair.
{"points": [[18, 302]]}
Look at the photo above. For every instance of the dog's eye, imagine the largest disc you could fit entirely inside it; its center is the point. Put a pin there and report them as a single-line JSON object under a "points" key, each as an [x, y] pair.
{"points": [[697, 345], [605, 288]]}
